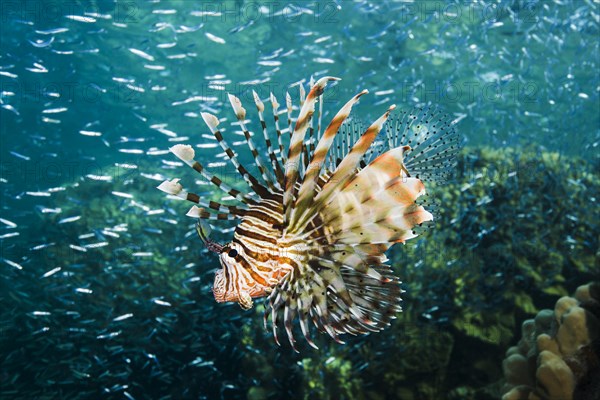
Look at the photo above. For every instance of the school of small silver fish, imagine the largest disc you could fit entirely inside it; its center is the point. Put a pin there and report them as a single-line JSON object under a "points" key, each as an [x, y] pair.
{"points": [[312, 235], [106, 290]]}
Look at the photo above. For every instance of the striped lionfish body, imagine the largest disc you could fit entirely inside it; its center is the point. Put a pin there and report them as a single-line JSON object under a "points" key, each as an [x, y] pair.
{"points": [[313, 233]]}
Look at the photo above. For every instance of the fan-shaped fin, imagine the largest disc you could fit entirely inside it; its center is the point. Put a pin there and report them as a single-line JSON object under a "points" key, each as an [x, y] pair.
{"points": [[377, 206], [186, 154], [240, 113], [337, 293], [307, 191], [274, 162], [434, 140]]}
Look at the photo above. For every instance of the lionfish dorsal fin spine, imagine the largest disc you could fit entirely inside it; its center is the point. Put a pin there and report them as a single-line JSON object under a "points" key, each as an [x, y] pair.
{"points": [[289, 107], [275, 108], [350, 162], [240, 113], [308, 146], [302, 93], [296, 143], [308, 189], [274, 161]]}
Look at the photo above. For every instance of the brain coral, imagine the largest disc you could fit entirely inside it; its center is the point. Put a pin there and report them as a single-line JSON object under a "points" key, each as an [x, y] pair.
{"points": [[558, 356]]}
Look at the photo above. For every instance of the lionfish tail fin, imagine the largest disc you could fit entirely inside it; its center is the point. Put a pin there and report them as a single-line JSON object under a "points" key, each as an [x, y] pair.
{"points": [[433, 139]]}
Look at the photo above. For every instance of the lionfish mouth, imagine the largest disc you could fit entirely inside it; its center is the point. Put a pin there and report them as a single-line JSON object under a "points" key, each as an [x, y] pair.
{"points": [[314, 230]]}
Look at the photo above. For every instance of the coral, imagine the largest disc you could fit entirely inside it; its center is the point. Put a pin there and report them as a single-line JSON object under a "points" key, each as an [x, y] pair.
{"points": [[499, 243], [558, 350]]}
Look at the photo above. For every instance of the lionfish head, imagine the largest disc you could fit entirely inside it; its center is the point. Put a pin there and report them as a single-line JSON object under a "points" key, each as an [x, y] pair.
{"points": [[227, 280], [227, 285]]}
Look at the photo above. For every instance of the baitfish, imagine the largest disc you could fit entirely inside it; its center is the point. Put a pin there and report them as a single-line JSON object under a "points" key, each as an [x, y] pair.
{"points": [[313, 232]]}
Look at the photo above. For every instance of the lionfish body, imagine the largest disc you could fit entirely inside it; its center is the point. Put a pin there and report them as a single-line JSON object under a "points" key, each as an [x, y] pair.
{"points": [[312, 235]]}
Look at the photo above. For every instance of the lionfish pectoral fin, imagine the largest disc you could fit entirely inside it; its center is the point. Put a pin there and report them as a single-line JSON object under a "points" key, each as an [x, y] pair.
{"points": [[382, 218], [378, 205], [292, 167], [340, 293], [186, 154]]}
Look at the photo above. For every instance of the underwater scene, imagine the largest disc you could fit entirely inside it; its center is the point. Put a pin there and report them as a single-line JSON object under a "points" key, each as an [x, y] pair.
{"points": [[386, 199]]}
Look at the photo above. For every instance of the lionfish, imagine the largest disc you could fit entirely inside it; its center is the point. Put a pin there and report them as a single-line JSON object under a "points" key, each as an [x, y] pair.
{"points": [[312, 235]]}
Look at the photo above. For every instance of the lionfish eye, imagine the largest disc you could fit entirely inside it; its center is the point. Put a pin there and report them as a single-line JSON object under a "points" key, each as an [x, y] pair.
{"points": [[232, 253]]}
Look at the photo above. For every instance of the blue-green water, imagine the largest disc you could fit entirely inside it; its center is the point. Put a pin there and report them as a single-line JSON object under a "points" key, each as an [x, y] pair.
{"points": [[105, 288]]}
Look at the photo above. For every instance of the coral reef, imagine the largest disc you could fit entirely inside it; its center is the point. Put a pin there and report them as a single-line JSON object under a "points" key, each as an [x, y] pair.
{"points": [[504, 236], [558, 356]]}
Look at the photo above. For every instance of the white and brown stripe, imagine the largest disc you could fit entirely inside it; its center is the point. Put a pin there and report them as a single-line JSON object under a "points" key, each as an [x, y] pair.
{"points": [[307, 190], [314, 240], [297, 142], [240, 113], [275, 108], [238, 195], [274, 162]]}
